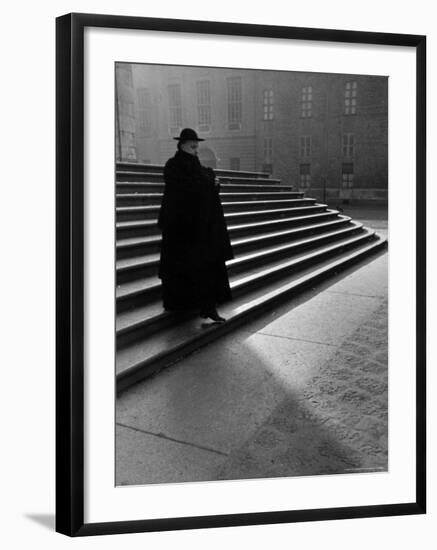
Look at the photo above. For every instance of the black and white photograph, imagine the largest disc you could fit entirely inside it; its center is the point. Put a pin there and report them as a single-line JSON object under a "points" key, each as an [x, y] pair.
{"points": [[218, 270], [251, 268]]}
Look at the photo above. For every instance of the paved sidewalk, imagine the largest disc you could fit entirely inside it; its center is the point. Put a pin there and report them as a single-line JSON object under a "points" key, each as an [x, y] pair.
{"points": [[300, 391], [374, 217]]}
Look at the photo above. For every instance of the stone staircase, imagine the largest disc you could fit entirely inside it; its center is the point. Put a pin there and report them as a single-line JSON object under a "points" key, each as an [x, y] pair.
{"points": [[282, 240]]}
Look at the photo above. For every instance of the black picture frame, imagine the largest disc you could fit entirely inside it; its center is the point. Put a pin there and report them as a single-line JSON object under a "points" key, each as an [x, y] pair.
{"points": [[70, 272]]}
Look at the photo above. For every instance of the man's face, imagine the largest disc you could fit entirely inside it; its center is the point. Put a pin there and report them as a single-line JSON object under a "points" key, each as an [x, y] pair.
{"points": [[191, 147]]}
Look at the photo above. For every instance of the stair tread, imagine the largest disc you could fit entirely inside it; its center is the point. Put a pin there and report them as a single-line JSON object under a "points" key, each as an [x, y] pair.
{"points": [[125, 318], [293, 231], [259, 193], [175, 337], [136, 223], [133, 241], [135, 286], [225, 194], [152, 207], [246, 178], [152, 281], [260, 272], [280, 221], [144, 173], [138, 172], [223, 185], [137, 261], [141, 317], [230, 215], [153, 258], [128, 319], [160, 168]]}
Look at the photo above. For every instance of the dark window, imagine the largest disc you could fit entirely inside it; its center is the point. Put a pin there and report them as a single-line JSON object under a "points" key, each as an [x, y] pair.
{"points": [[144, 110], [347, 171], [267, 167], [268, 149], [268, 105], [204, 105], [348, 145], [307, 102], [175, 107], [235, 102], [305, 175], [350, 98], [235, 163]]}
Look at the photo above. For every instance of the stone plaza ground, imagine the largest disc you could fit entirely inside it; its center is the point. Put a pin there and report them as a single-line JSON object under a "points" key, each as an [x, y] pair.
{"points": [[301, 390]]}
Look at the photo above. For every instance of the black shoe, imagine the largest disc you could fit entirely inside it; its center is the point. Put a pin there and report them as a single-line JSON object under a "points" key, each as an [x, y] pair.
{"points": [[212, 314]]}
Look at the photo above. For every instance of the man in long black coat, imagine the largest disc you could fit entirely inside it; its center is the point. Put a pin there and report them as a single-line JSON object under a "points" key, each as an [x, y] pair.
{"points": [[195, 240]]}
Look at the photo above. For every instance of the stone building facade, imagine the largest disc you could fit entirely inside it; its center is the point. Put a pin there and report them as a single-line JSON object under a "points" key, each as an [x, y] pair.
{"points": [[324, 133]]}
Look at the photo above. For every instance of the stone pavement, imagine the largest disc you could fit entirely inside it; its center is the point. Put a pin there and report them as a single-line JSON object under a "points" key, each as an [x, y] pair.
{"points": [[302, 390]]}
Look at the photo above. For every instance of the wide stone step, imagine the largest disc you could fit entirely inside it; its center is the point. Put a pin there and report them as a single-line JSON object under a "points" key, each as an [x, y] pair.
{"points": [[150, 212], [158, 187], [257, 249], [149, 199], [134, 322], [128, 232], [159, 168], [130, 248], [255, 266], [143, 320], [150, 354], [238, 180], [146, 175], [149, 227], [147, 315], [139, 175]]}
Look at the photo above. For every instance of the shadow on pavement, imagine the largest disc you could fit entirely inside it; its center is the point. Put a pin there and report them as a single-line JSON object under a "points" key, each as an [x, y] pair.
{"points": [[234, 413]]}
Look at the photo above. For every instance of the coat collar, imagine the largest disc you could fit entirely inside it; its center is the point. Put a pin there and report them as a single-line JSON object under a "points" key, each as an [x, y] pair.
{"points": [[187, 157]]}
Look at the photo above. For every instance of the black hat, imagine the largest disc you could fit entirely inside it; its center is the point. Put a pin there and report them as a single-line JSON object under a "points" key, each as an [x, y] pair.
{"points": [[188, 134]]}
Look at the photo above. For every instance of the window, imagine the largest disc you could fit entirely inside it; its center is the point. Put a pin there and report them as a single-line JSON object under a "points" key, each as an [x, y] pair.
{"points": [[144, 110], [268, 149], [307, 101], [305, 175], [348, 145], [268, 155], [350, 98], [305, 146], [235, 103], [204, 105], [268, 105], [175, 107], [347, 175], [235, 163]]}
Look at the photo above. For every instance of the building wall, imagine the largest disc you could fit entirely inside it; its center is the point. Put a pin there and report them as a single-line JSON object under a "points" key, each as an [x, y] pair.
{"points": [[275, 143], [125, 119]]}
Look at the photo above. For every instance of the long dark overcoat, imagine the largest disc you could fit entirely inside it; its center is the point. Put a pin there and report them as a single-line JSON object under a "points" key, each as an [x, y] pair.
{"points": [[195, 240]]}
